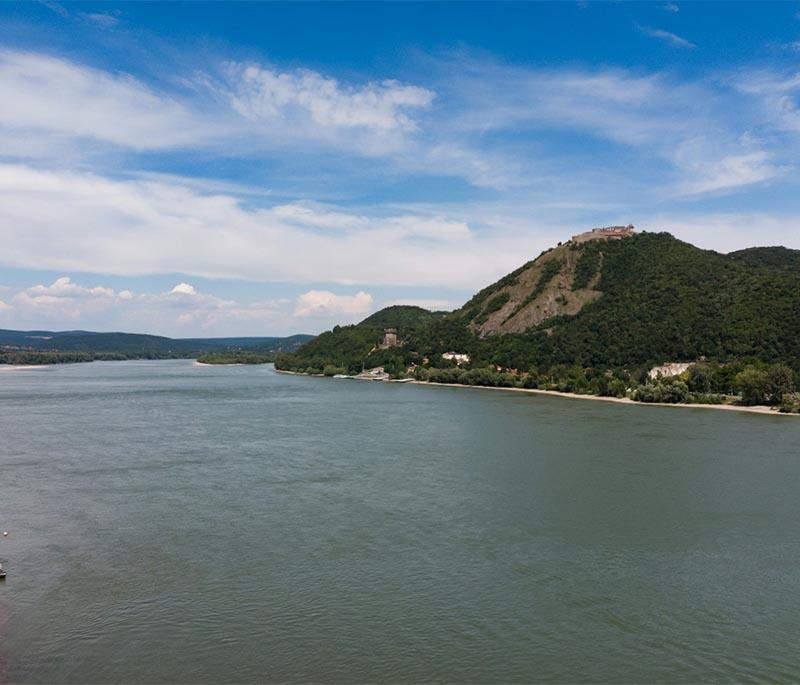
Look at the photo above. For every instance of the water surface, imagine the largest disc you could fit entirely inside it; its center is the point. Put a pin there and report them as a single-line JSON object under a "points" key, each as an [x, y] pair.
{"points": [[184, 523]]}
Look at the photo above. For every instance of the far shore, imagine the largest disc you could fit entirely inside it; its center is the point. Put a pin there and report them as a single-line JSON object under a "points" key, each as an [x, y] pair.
{"points": [[197, 363], [759, 409]]}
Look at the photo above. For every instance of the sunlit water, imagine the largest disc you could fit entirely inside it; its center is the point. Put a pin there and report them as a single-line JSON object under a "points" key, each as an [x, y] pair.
{"points": [[184, 523]]}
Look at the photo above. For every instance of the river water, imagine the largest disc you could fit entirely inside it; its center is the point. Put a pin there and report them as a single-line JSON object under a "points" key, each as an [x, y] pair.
{"points": [[170, 522]]}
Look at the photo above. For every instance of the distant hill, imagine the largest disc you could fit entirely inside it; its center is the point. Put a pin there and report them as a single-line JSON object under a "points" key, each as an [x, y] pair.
{"points": [[346, 347], [401, 316], [633, 302], [136, 343], [781, 257]]}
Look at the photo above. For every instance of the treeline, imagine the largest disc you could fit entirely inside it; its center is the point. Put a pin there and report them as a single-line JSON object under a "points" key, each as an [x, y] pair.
{"points": [[35, 357], [742, 383], [237, 357]]}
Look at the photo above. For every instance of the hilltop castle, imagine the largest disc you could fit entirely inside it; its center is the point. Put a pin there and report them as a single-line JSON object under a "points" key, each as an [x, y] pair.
{"points": [[606, 232]]}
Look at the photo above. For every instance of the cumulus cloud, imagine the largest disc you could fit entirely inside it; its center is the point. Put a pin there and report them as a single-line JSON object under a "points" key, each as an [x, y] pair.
{"points": [[247, 107], [324, 302], [183, 289], [183, 310], [260, 93]]}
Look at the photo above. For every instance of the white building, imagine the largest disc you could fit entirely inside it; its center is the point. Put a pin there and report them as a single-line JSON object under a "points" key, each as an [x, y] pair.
{"points": [[669, 370], [457, 357]]}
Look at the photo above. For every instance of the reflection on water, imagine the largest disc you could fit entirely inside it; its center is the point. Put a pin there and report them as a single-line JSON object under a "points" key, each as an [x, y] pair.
{"points": [[172, 522]]}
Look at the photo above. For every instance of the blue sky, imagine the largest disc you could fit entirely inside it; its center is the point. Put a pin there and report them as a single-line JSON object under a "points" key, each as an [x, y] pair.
{"points": [[255, 169]]}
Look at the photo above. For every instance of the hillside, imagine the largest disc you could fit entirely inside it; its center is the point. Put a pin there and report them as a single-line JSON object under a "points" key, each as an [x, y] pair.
{"points": [[634, 302], [401, 316], [347, 347], [646, 298], [768, 256]]}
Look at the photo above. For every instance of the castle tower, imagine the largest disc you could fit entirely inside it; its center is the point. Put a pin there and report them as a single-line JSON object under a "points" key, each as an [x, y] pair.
{"points": [[390, 337]]}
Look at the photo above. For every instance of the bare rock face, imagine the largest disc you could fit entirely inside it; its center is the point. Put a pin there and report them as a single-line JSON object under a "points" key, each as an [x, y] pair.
{"points": [[540, 290]]}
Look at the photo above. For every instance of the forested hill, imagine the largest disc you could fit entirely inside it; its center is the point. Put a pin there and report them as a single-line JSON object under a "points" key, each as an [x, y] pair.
{"points": [[401, 316], [642, 300]]}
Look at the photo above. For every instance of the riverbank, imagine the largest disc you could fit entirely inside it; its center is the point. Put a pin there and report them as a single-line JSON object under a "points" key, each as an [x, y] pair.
{"points": [[22, 367], [760, 409]]}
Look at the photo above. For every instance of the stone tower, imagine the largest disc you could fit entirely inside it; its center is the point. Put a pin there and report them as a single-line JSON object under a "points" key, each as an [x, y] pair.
{"points": [[390, 337]]}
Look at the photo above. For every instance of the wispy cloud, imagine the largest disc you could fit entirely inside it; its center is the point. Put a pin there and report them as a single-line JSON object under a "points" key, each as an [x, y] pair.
{"points": [[42, 94], [75, 222], [667, 37], [105, 20], [727, 173], [55, 7], [670, 7]]}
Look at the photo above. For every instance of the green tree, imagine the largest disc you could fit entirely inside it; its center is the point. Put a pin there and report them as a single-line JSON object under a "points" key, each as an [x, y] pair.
{"points": [[781, 382], [754, 385]]}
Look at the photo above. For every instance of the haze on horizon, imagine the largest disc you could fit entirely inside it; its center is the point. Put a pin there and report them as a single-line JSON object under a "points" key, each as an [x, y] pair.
{"points": [[252, 169]]}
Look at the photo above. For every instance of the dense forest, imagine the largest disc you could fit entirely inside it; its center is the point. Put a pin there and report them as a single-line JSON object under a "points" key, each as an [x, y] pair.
{"points": [[654, 299], [237, 357]]}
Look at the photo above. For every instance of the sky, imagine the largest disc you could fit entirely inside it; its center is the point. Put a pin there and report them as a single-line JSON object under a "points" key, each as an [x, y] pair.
{"points": [[205, 169]]}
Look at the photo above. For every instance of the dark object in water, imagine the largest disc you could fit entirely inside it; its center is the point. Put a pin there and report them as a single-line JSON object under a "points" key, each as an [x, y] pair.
{"points": [[2, 572]]}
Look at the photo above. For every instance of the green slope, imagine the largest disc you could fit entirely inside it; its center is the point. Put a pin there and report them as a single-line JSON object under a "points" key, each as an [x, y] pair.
{"points": [[639, 301]]}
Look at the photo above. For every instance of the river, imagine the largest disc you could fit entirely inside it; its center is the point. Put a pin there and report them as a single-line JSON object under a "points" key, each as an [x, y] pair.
{"points": [[171, 522]]}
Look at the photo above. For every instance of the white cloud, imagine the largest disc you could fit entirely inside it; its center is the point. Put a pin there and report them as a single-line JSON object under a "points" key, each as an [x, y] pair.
{"points": [[775, 95], [670, 7], [247, 108], [183, 289], [616, 104], [707, 172], [667, 37], [104, 20], [326, 303], [55, 7], [264, 94], [181, 311], [656, 115], [77, 222], [46, 94], [728, 231]]}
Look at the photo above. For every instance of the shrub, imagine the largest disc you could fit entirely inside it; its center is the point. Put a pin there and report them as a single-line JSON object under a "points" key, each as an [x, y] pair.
{"points": [[670, 391]]}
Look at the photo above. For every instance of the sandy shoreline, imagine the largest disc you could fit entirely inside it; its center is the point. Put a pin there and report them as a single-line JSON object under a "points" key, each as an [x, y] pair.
{"points": [[22, 367], [760, 409], [574, 396]]}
